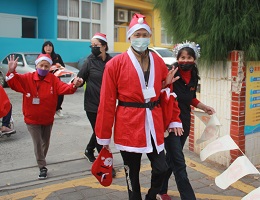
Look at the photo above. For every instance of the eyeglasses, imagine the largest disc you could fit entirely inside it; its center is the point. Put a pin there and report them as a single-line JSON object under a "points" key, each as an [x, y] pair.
{"points": [[95, 45]]}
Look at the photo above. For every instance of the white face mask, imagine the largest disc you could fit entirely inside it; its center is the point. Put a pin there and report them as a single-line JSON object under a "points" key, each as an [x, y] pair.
{"points": [[140, 44]]}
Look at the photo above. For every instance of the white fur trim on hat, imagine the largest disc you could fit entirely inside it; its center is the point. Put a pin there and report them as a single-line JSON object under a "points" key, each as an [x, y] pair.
{"points": [[42, 57], [100, 37], [137, 27]]}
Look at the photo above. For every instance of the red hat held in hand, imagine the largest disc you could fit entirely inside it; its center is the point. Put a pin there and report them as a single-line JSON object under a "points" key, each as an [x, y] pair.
{"points": [[102, 167]]}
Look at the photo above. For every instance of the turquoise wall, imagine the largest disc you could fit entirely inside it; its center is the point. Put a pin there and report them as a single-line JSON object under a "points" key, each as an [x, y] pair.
{"points": [[70, 51], [19, 7], [46, 13]]}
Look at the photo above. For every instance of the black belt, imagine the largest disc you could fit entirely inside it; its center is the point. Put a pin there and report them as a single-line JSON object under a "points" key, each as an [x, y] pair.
{"points": [[150, 104]]}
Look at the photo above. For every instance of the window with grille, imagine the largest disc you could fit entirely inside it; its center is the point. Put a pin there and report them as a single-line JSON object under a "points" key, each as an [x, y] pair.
{"points": [[78, 19]]}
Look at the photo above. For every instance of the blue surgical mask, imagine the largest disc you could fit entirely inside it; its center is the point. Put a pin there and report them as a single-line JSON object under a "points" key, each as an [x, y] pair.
{"points": [[42, 72], [140, 44]]}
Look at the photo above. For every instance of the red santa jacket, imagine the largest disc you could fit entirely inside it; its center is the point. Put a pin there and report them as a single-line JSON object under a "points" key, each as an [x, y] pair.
{"points": [[34, 89], [134, 128], [5, 104]]}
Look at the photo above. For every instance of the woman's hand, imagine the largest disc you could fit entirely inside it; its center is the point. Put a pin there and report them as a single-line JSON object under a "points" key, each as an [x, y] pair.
{"points": [[170, 77], [12, 63], [177, 131], [59, 66], [77, 81], [207, 109]]}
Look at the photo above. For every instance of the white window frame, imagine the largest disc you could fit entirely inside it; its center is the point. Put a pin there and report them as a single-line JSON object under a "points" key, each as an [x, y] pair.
{"points": [[80, 20], [116, 33], [11, 25]]}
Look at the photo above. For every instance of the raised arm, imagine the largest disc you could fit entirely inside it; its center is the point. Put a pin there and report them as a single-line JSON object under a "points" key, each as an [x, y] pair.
{"points": [[13, 79]]}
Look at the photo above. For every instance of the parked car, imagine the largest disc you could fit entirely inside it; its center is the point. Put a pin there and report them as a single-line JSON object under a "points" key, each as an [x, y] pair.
{"points": [[26, 64], [83, 59], [165, 54]]}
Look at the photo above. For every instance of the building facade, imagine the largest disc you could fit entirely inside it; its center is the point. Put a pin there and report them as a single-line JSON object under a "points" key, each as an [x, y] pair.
{"points": [[123, 13], [70, 24]]}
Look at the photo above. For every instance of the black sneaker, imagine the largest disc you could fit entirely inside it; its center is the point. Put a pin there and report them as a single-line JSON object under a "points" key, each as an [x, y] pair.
{"points": [[90, 156], [113, 172], [43, 173]]}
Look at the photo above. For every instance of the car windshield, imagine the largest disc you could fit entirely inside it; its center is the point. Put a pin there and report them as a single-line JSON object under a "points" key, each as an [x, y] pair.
{"points": [[30, 59], [165, 52]]}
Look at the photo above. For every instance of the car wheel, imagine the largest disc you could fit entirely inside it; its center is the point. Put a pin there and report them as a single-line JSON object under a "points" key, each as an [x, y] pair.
{"points": [[2, 80]]}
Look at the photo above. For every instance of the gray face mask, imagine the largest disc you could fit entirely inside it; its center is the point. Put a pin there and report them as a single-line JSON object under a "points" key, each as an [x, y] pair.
{"points": [[140, 44]]}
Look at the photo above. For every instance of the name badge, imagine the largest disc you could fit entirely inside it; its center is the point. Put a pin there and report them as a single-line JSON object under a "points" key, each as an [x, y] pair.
{"points": [[149, 93], [36, 101]]}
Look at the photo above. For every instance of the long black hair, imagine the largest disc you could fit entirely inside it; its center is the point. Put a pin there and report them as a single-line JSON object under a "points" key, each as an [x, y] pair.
{"points": [[103, 43], [191, 53], [53, 54]]}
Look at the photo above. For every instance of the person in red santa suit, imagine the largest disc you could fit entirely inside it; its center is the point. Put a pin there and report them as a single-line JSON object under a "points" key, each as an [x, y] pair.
{"points": [[135, 78], [40, 91], [5, 113]]}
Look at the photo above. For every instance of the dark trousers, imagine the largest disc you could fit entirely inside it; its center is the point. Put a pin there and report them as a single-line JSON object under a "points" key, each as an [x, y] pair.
{"points": [[41, 140], [60, 101], [6, 119], [176, 162], [92, 144], [132, 164]]}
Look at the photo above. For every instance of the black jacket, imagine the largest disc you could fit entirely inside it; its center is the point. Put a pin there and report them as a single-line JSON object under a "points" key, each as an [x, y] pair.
{"points": [[91, 73], [58, 59], [185, 94]]}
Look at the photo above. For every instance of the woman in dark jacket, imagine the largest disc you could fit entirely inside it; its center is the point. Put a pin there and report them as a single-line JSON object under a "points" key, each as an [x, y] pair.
{"points": [[185, 88], [91, 73], [48, 48]]}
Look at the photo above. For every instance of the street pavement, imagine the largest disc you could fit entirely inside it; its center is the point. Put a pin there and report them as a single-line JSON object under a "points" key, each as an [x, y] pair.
{"points": [[69, 175]]}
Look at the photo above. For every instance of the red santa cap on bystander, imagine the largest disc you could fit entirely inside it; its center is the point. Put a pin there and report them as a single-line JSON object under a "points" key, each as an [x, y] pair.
{"points": [[137, 22], [101, 36], [42, 57]]}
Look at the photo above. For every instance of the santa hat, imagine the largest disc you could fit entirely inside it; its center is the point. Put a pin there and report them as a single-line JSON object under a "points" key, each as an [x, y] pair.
{"points": [[137, 22], [100, 36], [42, 57], [102, 167]]}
